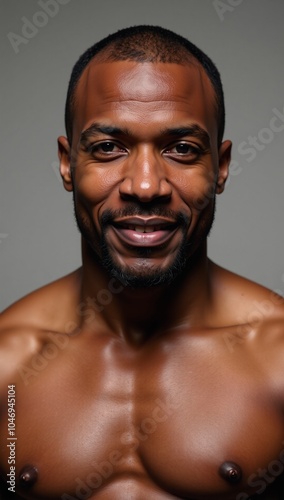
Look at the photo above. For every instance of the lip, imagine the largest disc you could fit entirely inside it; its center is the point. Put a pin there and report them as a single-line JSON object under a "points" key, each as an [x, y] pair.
{"points": [[144, 221], [144, 232]]}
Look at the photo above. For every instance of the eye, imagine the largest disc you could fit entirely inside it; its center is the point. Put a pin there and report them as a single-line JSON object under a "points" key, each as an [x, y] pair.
{"points": [[105, 151], [106, 148], [184, 151]]}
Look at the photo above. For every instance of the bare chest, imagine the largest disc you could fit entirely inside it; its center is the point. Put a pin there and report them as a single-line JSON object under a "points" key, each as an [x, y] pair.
{"points": [[101, 422]]}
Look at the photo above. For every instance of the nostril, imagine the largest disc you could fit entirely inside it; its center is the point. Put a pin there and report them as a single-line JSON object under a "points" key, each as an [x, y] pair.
{"points": [[145, 190]]}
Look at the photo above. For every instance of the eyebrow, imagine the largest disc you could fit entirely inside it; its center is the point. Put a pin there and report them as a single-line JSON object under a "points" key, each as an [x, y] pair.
{"points": [[100, 128], [193, 130]]}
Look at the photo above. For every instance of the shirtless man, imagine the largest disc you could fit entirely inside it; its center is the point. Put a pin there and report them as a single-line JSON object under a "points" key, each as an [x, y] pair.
{"points": [[150, 373]]}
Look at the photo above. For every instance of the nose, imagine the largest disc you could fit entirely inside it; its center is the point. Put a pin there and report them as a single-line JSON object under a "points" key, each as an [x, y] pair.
{"points": [[145, 178]]}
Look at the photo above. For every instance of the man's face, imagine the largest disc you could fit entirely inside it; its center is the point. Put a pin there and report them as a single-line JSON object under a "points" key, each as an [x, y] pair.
{"points": [[145, 166]]}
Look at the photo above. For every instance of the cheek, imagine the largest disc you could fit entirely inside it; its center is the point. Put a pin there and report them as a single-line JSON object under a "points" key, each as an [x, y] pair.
{"points": [[95, 185], [197, 189]]}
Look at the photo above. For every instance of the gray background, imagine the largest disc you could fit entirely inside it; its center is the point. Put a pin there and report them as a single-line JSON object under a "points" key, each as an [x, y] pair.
{"points": [[38, 236]]}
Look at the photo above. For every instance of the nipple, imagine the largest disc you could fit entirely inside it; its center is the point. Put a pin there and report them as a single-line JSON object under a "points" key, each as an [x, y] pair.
{"points": [[28, 476], [231, 472]]}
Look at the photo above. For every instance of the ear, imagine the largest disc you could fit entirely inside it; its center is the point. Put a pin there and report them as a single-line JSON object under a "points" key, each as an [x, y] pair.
{"points": [[224, 162], [64, 152]]}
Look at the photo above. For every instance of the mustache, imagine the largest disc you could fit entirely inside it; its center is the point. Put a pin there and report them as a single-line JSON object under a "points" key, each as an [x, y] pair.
{"points": [[109, 216]]}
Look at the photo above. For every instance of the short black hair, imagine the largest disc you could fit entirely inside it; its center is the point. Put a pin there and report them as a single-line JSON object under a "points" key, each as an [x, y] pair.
{"points": [[146, 44]]}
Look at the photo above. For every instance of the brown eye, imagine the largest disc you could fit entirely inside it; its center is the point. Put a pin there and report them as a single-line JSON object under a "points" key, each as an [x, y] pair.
{"points": [[106, 147], [106, 150], [183, 148]]}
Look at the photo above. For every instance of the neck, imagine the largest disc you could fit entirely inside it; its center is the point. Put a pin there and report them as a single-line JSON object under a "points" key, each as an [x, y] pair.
{"points": [[139, 313]]}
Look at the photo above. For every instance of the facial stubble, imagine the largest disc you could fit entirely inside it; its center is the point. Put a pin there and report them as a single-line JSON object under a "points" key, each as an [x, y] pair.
{"points": [[145, 275]]}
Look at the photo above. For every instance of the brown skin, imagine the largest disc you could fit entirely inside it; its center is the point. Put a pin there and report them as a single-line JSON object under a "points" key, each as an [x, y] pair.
{"points": [[144, 393]]}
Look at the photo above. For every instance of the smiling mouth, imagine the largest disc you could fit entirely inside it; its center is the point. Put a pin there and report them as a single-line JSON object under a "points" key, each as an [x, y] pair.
{"points": [[144, 232], [144, 228]]}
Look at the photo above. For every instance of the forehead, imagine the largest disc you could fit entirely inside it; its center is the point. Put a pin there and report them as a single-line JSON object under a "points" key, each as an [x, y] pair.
{"points": [[129, 91]]}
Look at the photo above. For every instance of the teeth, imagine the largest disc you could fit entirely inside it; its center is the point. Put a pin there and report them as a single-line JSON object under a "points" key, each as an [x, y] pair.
{"points": [[143, 229]]}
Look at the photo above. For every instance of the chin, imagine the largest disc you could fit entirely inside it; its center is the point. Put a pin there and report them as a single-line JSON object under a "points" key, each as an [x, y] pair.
{"points": [[144, 273], [129, 278]]}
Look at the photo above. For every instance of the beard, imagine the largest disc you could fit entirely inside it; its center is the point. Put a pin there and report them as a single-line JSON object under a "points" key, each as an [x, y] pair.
{"points": [[145, 276]]}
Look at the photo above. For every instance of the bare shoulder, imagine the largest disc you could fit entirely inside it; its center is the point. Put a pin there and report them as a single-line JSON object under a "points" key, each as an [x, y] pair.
{"points": [[258, 316], [25, 325], [48, 304], [244, 301]]}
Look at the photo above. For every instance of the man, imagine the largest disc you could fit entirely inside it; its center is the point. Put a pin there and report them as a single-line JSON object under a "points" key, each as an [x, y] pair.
{"points": [[150, 373]]}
